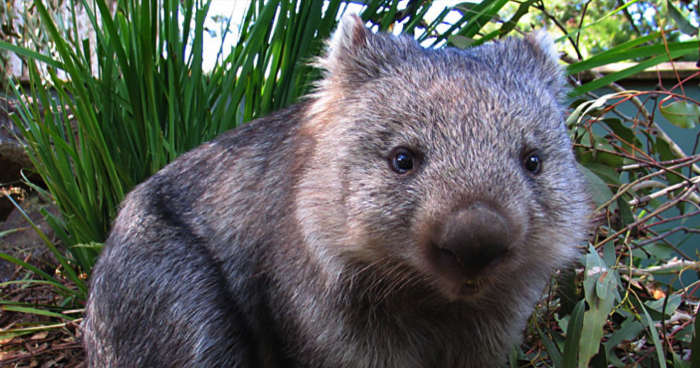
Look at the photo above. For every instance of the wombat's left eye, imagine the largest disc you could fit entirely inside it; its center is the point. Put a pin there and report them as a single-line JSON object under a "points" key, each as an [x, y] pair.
{"points": [[402, 160], [533, 163]]}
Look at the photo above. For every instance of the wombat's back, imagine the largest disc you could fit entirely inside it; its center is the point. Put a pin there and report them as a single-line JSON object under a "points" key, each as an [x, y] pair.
{"points": [[164, 291]]}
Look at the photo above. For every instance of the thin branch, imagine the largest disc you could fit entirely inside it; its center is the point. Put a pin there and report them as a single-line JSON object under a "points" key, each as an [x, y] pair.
{"points": [[670, 267], [561, 28], [660, 133], [664, 192]]}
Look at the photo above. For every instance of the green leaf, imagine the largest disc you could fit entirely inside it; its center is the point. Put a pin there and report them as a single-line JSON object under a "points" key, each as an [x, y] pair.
{"points": [[479, 15], [678, 362], [15, 332], [660, 251], [681, 21], [551, 347], [626, 216], [648, 323], [628, 139], [629, 330], [573, 336], [628, 51], [523, 9], [666, 154], [606, 173], [609, 254], [466, 9], [675, 50], [685, 334], [600, 287], [461, 41], [682, 114], [513, 357], [695, 345], [597, 187], [672, 304]]}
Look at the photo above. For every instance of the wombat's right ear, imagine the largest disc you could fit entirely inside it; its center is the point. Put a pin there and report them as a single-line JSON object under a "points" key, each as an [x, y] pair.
{"points": [[350, 36], [551, 73], [348, 41]]}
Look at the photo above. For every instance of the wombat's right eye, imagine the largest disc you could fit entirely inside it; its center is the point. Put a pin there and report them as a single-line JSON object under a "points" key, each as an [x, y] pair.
{"points": [[402, 160]]}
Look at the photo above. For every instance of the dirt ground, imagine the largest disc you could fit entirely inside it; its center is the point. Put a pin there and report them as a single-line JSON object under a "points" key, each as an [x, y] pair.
{"points": [[42, 341], [28, 339]]}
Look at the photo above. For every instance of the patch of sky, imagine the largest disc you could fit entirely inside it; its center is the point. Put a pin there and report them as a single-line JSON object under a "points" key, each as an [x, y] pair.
{"points": [[219, 40]]}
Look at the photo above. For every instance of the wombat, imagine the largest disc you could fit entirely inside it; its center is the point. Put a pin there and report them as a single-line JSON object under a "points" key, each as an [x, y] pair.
{"points": [[408, 213]]}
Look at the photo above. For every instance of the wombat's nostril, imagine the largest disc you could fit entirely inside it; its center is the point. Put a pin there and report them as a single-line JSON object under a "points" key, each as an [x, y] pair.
{"points": [[474, 238]]}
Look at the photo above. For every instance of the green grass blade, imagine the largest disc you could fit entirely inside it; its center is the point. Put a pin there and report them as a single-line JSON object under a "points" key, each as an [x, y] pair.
{"points": [[50, 279], [31, 54], [36, 311]]}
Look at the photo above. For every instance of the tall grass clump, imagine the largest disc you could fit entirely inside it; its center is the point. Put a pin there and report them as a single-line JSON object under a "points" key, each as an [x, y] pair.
{"points": [[95, 134]]}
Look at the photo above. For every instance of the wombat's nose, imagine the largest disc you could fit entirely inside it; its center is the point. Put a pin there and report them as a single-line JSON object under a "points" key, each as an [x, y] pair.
{"points": [[475, 237]]}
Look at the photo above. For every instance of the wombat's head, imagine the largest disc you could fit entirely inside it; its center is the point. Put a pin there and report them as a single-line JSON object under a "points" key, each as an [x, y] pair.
{"points": [[452, 166]]}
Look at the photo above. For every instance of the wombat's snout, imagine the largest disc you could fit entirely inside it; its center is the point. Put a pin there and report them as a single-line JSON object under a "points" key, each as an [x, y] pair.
{"points": [[473, 238]]}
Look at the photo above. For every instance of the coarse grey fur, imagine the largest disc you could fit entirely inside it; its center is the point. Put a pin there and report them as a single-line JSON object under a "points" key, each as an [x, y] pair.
{"points": [[406, 214]]}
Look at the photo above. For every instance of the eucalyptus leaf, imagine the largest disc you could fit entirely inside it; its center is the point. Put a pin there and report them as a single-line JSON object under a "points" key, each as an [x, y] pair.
{"points": [[629, 330], [681, 21], [597, 187], [682, 114], [648, 323], [666, 154], [695, 345], [461, 42], [625, 134], [672, 304], [678, 362], [551, 347], [626, 215], [573, 336], [600, 288]]}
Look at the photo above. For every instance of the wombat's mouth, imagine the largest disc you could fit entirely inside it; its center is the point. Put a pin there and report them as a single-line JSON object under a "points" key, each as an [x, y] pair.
{"points": [[460, 279], [472, 269], [476, 267]]}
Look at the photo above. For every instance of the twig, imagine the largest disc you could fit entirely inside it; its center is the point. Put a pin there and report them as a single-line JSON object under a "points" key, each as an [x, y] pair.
{"points": [[670, 267], [663, 239], [666, 234], [686, 160], [562, 28], [663, 192], [660, 133], [663, 207], [669, 219]]}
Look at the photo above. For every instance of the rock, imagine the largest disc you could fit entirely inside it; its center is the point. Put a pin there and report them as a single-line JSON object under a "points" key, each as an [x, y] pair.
{"points": [[13, 157], [21, 240]]}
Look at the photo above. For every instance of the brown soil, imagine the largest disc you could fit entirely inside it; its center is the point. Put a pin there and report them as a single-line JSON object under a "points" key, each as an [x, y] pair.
{"points": [[56, 342]]}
